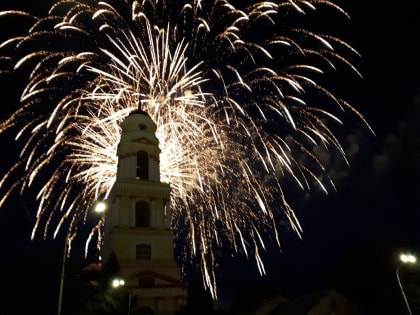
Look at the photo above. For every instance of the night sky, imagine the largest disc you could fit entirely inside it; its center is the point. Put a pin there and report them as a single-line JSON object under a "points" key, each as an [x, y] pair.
{"points": [[352, 237]]}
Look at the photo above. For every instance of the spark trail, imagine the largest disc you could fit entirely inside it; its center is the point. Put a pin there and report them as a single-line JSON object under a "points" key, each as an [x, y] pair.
{"points": [[236, 93]]}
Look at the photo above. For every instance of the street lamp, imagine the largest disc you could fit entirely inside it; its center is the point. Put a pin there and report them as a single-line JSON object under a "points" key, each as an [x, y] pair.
{"points": [[100, 207], [117, 282], [405, 259]]}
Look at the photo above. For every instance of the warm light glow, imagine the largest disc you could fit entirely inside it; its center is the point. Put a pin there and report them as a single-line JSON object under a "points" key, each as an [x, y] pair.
{"points": [[100, 206], [234, 91], [405, 258], [408, 258], [118, 283]]}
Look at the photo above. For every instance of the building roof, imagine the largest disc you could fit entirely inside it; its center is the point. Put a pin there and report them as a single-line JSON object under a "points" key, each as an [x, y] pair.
{"points": [[321, 302]]}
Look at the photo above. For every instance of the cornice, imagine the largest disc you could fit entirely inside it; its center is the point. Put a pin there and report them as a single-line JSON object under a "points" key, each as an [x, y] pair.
{"points": [[141, 188]]}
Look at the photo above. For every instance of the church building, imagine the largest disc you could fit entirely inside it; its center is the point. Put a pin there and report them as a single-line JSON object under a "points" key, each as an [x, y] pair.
{"points": [[138, 223]]}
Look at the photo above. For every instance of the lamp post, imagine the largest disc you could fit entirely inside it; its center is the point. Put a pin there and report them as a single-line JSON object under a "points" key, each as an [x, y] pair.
{"points": [[410, 259], [100, 207], [63, 266], [117, 282]]}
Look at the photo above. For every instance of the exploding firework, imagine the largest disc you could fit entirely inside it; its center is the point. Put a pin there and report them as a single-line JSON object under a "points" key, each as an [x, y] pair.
{"points": [[237, 90]]}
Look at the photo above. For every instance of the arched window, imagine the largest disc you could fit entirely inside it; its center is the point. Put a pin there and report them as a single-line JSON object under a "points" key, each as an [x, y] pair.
{"points": [[143, 252], [142, 171], [142, 214]]}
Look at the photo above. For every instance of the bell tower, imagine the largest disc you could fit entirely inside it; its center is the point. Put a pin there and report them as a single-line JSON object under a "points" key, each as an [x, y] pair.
{"points": [[137, 229]]}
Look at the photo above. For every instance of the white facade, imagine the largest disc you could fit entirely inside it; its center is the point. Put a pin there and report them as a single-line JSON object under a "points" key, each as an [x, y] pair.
{"points": [[137, 228]]}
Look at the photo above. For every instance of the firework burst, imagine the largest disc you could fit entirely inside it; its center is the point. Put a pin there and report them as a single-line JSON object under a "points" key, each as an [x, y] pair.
{"points": [[233, 86]]}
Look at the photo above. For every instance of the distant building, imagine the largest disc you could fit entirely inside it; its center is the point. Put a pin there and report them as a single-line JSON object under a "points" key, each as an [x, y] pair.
{"points": [[137, 229], [327, 302]]}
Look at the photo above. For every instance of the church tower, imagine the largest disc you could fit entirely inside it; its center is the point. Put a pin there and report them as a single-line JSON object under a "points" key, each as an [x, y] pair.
{"points": [[137, 229]]}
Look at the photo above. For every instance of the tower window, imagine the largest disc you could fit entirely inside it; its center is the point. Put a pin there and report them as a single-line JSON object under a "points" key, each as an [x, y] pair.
{"points": [[142, 171], [143, 252], [142, 214]]}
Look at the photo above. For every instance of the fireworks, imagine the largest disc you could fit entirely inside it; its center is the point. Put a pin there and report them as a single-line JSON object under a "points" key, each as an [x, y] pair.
{"points": [[232, 86]]}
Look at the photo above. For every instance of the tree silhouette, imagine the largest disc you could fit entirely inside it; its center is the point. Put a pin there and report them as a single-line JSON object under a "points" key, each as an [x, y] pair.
{"points": [[106, 299]]}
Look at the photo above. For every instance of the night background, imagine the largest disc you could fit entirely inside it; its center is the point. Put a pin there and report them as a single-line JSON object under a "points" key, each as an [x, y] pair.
{"points": [[351, 238]]}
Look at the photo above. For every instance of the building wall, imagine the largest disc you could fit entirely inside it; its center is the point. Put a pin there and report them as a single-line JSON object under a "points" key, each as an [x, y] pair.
{"points": [[165, 293]]}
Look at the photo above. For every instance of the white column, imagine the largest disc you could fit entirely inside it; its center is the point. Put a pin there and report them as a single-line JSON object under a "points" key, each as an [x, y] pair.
{"points": [[132, 172], [126, 167], [114, 215], [167, 214], [160, 305], [154, 173], [132, 219], [124, 211], [153, 214]]}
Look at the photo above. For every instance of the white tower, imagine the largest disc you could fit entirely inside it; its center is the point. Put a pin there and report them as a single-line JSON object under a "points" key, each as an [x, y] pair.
{"points": [[137, 229]]}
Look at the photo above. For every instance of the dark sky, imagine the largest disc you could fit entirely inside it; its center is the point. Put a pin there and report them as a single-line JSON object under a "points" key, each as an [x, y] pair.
{"points": [[351, 237]]}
